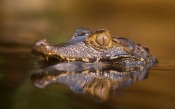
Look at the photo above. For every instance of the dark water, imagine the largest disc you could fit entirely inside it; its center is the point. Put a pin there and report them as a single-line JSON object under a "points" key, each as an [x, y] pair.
{"points": [[18, 92]]}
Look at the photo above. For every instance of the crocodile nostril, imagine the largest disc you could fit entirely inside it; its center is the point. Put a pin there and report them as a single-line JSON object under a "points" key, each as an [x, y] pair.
{"points": [[40, 47], [41, 42]]}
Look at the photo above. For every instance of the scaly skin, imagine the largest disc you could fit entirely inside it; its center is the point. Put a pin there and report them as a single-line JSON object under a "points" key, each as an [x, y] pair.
{"points": [[99, 46]]}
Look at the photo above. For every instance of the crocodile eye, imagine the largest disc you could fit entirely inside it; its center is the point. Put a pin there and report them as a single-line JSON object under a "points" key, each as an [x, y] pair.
{"points": [[102, 40]]}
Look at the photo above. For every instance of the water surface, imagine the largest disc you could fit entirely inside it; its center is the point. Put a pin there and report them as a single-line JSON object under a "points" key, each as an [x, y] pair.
{"points": [[18, 92]]}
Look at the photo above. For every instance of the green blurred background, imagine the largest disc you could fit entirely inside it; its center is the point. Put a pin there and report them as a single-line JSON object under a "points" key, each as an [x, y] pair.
{"points": [[148, 22]]}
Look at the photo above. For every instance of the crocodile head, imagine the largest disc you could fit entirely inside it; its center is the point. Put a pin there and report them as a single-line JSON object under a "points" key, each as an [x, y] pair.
{"points": [[98, 46]]}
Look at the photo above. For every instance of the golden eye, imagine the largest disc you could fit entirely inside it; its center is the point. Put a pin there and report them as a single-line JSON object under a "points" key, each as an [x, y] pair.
{"points": [[102, 40]]}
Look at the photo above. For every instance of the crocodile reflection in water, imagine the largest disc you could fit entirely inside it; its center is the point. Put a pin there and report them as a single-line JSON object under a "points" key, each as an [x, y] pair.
{"points": [[95, 79]]}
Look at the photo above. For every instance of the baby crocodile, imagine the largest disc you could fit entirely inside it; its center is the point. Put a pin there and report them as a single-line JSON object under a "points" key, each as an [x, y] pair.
{"points": [[98, 46]]}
